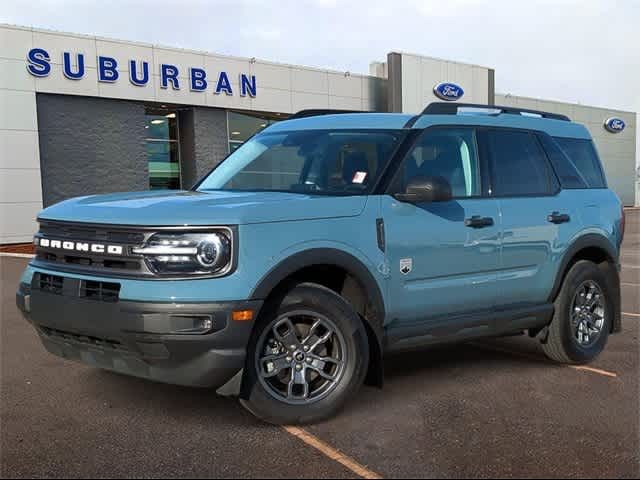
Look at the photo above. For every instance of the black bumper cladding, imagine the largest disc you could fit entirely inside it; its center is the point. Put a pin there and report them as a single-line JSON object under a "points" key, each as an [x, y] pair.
{"points": [[192, 344]]}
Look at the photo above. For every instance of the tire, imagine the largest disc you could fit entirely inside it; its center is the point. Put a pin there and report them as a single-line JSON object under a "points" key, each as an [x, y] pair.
{"points": [[320, 310], [562, 343]]}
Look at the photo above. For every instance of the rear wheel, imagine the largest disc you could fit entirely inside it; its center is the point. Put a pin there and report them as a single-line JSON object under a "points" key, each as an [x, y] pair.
{"points": [[583, 316], [308, 355]]}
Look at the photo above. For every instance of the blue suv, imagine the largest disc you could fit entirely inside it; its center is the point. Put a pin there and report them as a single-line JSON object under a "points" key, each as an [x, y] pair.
{"points": [[329, 240]]}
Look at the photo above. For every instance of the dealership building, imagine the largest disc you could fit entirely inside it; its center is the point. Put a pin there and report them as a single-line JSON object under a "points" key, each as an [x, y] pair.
{"points": [[82, 115]]}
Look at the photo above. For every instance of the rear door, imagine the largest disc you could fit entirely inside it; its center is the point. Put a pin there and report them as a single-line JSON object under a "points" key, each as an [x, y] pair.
{"points": [[536, 220]]}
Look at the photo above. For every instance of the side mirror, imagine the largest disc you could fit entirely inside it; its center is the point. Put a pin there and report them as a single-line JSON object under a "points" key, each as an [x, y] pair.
{"points": [[426, 189]]}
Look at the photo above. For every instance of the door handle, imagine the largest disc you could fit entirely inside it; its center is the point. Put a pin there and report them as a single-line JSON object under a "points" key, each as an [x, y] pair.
{"points": [[557, 217], [478, 222]]}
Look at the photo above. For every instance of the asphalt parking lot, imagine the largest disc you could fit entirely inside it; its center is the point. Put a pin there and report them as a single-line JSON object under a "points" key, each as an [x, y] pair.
{"points": [[491, 408]]}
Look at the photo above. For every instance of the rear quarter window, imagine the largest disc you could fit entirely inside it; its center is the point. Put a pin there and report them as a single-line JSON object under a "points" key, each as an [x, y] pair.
{"points": [[582, 153]]}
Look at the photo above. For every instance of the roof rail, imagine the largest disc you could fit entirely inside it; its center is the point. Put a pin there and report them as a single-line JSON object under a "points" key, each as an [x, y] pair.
{"points": [[445, 108], [318, 112]]}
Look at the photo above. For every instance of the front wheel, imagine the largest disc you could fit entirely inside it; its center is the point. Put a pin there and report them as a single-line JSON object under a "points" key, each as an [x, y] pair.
{"points": [[583, 316], [308, 355]]}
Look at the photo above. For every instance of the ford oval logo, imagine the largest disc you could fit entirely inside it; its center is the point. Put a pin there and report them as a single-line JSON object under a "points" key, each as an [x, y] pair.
{"points": [[614, 125], [448, 91]]}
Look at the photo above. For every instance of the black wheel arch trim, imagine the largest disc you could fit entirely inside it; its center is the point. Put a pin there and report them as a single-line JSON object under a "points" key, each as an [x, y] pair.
{"points": [[591, 240], [326, 256]]}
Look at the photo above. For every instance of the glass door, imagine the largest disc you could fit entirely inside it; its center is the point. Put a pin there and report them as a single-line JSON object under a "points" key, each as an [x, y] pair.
{"points": [[163, 149]]}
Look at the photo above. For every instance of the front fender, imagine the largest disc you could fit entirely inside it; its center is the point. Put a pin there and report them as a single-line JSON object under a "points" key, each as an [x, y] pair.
{"points": [[357, 265]]}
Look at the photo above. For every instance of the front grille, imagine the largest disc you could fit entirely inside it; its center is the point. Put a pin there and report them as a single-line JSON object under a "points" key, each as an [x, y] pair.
{"points": [[74, 260], [101, 291], [95, 233], [50, 283], [73, 287], [89, 340]]}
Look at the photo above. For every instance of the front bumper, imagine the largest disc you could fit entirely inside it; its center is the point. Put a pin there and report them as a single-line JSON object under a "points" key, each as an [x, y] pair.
{"points": [[139, 338]]}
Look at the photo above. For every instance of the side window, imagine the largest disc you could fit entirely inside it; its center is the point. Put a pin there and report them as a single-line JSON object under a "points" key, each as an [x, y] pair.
{"points": [[569, 175], [519, 165], [583, 155], [450, 153]]}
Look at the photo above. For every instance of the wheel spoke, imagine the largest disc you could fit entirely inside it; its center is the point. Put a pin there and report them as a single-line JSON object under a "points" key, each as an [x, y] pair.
{"points": [[312, 332], [272, 365], [319, 365], [298, 377], [320, 340], [592, 300], [285, 332]]}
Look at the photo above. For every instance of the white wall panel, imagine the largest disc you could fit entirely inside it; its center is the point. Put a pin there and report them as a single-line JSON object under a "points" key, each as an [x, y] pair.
{"points": [[302, 101], [19, 149], [344, 86], [15, 42], [309, 81], [20, 185], [14, 75], [17, 221], [18, 110], [272, 76]]}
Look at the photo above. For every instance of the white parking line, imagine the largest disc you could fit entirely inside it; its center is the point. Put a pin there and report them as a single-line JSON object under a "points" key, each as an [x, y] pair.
{"points": [[16, 255], [544, 359], [594, 370], [331, 452]]}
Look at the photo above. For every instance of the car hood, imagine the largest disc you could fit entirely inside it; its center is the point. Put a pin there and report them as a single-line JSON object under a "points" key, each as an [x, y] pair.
{"points": [[171, 208]]}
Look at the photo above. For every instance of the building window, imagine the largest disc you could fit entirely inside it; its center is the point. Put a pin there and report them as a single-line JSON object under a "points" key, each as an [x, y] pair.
{"points": [[163, 151], [243, 126]]}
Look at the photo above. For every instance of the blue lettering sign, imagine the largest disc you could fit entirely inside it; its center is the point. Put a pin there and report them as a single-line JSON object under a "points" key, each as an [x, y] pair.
{"points": [[107, 69], [67, 68], [39, 65], [169, 73], [74, 68], [198, 82], [133, 73], [247, 85], [224, 84]]}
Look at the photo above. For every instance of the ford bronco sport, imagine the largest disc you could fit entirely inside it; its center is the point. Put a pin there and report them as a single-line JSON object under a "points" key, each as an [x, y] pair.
{"points": [[329, 240]]}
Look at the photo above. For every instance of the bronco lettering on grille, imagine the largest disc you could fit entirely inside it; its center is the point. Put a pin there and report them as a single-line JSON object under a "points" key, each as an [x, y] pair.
{"points": [[79, 246]]}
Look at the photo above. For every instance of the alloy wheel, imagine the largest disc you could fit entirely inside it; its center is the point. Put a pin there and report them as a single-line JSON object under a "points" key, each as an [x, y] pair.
{"points": [[300, 357]]}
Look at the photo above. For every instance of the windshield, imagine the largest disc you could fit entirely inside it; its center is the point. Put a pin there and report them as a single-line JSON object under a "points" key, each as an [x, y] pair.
{"points": [[329, 162]]}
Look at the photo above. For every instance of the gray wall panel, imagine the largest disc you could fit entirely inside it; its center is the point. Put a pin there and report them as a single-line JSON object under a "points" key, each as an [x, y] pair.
{"points": [[211, 138], [90, 145]]}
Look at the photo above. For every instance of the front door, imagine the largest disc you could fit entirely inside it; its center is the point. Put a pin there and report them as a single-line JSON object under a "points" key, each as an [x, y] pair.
{"points": [[443, 256]]}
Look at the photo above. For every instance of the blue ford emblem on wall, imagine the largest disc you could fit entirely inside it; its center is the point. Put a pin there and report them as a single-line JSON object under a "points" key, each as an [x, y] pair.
{"points": [[614, 125], [448, 91]]}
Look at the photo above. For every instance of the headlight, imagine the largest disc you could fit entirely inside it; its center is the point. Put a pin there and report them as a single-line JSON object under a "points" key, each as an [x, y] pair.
{"points": [[199, 253]]}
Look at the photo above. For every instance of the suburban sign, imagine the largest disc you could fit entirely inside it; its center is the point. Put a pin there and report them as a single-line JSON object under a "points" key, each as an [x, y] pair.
{"points": [[109, 71]]}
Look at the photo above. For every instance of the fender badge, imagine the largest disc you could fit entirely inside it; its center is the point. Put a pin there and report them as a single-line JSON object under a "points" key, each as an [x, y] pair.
{"points": [[406, 265]]}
